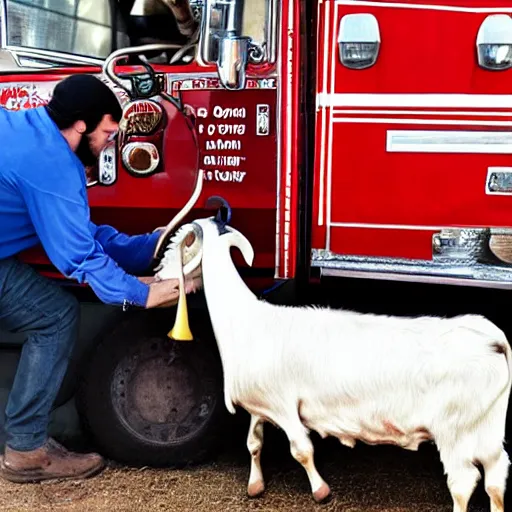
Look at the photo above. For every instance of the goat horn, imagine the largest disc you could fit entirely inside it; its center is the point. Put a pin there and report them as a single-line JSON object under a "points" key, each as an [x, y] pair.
{"points": [[182, 213], [212, 202]]}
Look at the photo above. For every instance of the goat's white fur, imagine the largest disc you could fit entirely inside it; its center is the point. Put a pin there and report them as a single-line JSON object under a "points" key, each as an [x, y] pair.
{"points": [[374, 378]]}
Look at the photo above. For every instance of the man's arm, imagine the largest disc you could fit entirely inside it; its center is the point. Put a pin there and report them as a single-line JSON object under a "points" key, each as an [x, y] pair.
{"points": [[133, 253], [62, 225]]}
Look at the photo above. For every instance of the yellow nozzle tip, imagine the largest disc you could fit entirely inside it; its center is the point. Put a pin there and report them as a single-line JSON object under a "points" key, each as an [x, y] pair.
{"points": [[184, 337]]}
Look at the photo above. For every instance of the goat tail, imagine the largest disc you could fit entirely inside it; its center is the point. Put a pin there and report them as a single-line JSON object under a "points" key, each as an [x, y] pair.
{"points": [[508, 356], [502, 347]]}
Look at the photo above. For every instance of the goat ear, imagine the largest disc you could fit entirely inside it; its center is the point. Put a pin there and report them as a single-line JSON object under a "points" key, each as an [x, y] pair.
{"points": [[236, 239], [197, 259]]}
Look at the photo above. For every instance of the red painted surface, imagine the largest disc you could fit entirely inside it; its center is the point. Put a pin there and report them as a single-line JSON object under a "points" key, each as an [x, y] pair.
{"points": [[390, 243], [247, 180], [423, 51], [411, 188]]}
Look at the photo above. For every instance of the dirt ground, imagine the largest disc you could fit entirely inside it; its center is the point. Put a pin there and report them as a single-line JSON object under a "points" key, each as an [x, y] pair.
{"points": [[365, 479]]}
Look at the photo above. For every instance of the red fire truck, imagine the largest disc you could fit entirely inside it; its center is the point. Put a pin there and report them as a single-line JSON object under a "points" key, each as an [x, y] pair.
{"points": [[351, 138]]}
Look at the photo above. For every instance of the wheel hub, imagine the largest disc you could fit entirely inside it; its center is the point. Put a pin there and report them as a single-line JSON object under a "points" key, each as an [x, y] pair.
{"points": [[160, 393]]}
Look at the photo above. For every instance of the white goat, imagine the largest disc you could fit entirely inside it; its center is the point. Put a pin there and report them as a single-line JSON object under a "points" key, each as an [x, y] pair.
{"points": [[373, 378]]}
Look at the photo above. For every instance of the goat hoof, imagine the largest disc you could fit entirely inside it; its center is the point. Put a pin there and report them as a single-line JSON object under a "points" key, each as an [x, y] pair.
{"points": [[255, 489], [322, 494]]}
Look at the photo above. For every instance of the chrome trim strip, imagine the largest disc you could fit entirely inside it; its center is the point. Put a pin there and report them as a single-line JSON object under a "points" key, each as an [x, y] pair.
{"points": [[58, 57], [279, 134], [203, 32], [272, 38], [412, 141], [462, 113], [3, 24], [32, 63], [368, 225], [388, 276], [414, 100], [472, 263]]}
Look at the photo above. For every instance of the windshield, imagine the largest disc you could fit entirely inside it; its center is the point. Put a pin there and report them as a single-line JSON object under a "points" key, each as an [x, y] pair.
{"points": [[80, 27]]}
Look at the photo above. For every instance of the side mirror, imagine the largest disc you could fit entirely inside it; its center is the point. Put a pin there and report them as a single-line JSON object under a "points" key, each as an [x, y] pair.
{"points": [[235, 34]]}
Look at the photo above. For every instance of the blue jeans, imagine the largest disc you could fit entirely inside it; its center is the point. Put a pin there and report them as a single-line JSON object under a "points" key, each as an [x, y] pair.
{"points": [[33, 304]]}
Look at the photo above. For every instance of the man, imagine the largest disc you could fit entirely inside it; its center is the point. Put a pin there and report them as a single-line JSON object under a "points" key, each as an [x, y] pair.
{"points": [[43, 199]]}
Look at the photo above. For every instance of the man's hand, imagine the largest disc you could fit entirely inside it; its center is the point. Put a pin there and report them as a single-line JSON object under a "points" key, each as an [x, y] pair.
{"points": [[163, 292], [166, 293]]}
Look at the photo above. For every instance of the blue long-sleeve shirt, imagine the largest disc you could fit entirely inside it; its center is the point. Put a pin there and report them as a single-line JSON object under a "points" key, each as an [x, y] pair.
{"points": [[43, 199]]}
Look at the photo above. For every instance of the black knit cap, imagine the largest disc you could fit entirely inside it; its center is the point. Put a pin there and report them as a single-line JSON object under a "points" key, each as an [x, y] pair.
{"points": [[82, 98]]}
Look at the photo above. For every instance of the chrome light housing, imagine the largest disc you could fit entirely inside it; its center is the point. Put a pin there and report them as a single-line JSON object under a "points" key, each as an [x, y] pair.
{"points": [[494, 43], [140, 158], [358, 40]]}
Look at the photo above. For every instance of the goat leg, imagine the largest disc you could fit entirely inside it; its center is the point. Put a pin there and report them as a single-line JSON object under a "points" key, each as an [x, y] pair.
{"points": [[256, 484]]}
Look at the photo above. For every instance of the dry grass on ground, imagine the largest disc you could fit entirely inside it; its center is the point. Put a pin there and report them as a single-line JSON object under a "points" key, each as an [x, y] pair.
{"points": [[366, 479]]}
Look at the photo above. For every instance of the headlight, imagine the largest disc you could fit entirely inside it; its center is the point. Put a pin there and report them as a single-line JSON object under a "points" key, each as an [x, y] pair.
{"points": [[140, 158]]}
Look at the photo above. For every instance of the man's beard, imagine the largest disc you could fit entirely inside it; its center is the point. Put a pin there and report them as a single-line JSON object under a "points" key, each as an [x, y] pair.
{"points": [[84, 152], [90, 162]]}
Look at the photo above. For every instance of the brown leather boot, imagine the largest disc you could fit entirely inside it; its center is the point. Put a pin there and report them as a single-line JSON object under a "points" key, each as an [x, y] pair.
{"points": [[51, 461]]}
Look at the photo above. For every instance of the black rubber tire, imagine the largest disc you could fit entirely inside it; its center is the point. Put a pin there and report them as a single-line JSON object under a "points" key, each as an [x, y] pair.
{"points": [[104, 421]]}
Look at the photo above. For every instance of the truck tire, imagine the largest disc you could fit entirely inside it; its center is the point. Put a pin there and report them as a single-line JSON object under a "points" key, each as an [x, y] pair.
{"points": [[147, 400]]}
